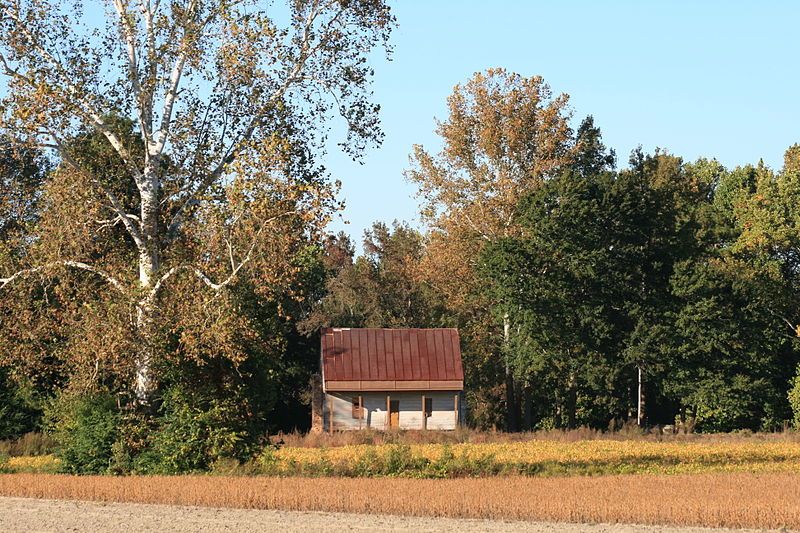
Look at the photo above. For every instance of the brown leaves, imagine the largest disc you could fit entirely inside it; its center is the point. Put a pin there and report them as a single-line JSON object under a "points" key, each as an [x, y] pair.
{"points": [[505, 133]]}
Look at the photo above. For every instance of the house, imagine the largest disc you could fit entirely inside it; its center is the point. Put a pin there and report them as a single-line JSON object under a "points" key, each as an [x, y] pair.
{"points": [[389, 378]]}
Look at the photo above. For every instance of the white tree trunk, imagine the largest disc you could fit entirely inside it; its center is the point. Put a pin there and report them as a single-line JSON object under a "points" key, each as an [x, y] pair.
{"points": [[640, 399], [149, 264], [143, 383]]}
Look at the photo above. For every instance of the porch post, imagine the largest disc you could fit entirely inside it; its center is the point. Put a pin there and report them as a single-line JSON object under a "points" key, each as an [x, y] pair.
{"points": [[360, 412], [330, 415], [424, 414], [388, 420]]}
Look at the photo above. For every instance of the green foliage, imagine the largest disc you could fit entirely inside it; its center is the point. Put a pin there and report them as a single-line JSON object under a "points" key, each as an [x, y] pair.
{"points": [[192, 434], [650, 281], [18, 414], [794, 399], [85, 428], [379, 288]]}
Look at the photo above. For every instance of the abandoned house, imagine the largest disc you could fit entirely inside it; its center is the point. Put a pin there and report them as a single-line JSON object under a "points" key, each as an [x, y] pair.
{"points": [[388, 379]]}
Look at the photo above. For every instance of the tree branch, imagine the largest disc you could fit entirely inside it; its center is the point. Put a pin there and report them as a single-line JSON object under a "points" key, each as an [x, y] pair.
{"points": [[131, 222], [129, 33], [72, 264], [234, 268], [84, 107], [306, 52]]}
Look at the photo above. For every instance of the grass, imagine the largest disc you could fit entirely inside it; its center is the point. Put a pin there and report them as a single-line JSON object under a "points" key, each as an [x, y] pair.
{"points": [[715, 500], [532, 458], [537, 458], [469, 436], [34, 443], [38, 464]]}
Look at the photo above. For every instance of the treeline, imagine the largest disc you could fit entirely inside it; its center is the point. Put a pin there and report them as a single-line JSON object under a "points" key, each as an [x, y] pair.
{"points": [[663, 292]]}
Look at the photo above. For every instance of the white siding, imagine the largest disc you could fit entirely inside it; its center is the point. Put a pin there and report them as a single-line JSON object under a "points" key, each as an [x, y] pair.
{"points": [[442, 418]]}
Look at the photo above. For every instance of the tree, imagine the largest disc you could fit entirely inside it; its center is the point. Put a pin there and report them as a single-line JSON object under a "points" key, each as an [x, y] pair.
{"points": [[226, 102], [505, 134], [22, 176], [381, 288], [589, 276]]}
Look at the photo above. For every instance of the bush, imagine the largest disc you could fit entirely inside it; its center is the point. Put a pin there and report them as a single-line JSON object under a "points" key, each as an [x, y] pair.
{"points": [[85, 429], [17, 413], [794, 399], [192, 434]]}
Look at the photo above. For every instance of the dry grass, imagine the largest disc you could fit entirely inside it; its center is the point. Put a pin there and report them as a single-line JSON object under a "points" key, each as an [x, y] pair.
{"points": [[540, 458], [468, 436], [722, 500], [34, 443], [543, 457]]}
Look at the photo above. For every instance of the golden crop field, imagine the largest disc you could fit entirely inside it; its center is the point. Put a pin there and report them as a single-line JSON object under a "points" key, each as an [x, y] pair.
{"points": [[716, 500]]}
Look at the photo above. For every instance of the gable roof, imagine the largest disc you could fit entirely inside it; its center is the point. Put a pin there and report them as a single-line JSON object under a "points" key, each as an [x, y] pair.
{"points": [[391, 359]]}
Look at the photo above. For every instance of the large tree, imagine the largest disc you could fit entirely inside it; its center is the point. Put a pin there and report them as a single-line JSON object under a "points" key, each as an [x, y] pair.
{"points": [[504, 135], [216, 179], [589, 277]]}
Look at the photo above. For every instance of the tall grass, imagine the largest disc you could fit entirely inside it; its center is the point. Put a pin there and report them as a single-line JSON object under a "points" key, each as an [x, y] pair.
{"points": [[535, 458], [34, 443], [465, 435], [722, 500]]}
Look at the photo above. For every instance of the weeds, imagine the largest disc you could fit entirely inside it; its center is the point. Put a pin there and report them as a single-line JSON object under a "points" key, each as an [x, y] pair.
{"points": [[532, 458], [34, 443]]}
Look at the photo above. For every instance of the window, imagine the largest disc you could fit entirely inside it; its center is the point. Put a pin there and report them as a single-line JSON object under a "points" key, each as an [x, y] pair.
{"points": [[428, 407], [358, 410]]}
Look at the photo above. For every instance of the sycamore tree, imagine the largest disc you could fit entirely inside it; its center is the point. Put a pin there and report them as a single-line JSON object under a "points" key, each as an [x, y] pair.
{"points": [[203, 120]]}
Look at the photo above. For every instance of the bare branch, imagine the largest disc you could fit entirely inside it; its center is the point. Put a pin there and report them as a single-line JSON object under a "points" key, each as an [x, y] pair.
{"points": [[131, 222], [67, 263], [234, 267]]}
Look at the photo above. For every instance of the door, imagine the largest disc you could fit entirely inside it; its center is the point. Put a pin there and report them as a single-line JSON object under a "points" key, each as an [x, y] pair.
{"points": [[394, 413]]}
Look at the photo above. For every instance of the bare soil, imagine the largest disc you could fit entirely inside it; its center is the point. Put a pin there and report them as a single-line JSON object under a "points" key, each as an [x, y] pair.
{"points": [[33, 515]]}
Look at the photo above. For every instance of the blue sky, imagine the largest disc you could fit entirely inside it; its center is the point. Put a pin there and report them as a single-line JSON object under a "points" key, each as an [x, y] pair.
{"points": [[700, 78]]}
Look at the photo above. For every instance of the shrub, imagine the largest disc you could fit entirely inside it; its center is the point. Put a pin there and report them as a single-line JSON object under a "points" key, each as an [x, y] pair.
{"points": [[192, 434], [85, 429], [794, 399], [17, 413]]}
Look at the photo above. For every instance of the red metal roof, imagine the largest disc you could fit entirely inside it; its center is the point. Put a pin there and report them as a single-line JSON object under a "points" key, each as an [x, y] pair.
{"points": [[375, 354]]}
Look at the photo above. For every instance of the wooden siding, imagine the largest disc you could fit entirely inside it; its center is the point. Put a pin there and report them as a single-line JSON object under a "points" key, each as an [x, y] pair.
{"points": [[442, 418]]}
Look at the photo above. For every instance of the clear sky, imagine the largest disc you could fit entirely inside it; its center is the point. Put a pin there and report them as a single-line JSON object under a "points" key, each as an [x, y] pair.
{"points": [[708, 78]]}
